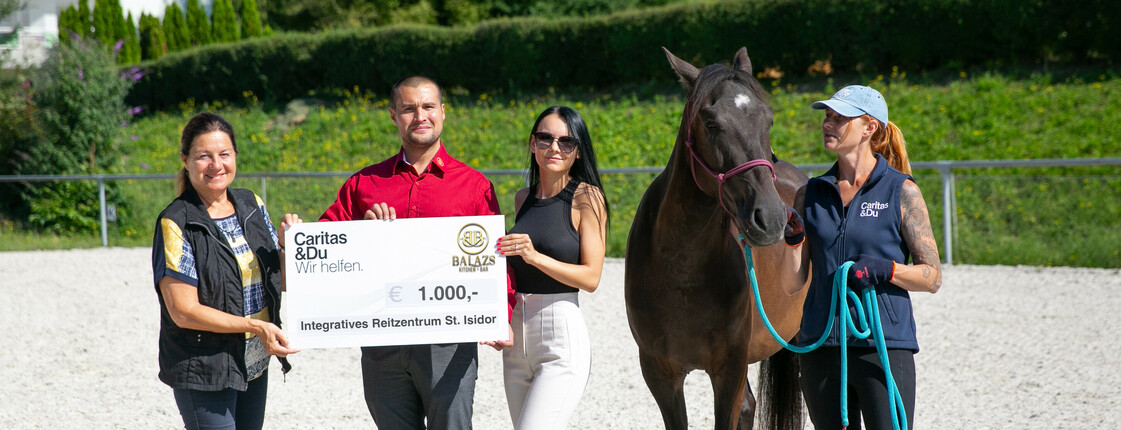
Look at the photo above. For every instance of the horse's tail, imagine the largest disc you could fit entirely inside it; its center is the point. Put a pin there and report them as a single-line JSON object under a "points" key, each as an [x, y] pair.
{"points": [[780, 398]]}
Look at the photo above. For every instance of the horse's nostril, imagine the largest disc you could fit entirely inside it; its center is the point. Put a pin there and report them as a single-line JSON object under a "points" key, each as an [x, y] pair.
{"points": [[759, 220]]}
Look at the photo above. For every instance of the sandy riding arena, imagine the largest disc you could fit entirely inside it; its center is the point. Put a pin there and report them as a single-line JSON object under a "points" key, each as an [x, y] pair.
{"points": [[1003, 348]]}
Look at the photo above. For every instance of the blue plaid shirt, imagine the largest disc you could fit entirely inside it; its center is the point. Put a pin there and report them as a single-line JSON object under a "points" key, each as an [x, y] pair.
{"points": [[179, 257]]}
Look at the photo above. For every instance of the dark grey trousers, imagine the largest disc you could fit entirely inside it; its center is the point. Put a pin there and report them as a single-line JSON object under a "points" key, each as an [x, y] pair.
{"points": [[404, 385]]}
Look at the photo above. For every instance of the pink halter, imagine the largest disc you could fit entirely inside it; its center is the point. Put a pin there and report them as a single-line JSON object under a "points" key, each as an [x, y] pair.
{"points": [[721, 177]]}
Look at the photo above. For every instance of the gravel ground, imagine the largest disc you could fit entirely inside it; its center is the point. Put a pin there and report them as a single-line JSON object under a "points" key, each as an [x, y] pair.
{"points": [[1003, 347]]}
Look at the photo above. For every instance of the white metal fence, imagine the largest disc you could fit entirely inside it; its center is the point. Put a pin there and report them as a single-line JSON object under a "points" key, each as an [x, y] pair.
{"points": [[945, 170]]}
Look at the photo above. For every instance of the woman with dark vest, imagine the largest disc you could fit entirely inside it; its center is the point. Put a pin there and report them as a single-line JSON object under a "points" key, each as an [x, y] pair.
{"points": [[556, 249], [866, 209], [217, 266]]}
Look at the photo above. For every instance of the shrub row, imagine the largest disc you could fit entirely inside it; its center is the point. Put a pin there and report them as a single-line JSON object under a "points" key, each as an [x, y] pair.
{"points": [[865, 36]]}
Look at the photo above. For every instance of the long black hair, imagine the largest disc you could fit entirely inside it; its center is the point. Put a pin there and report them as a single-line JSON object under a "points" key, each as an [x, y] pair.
{"points": [[584, 168]]}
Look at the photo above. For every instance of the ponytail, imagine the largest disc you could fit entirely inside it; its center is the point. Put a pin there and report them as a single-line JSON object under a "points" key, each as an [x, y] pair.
{"points": [[888, 141], [182, 181]]}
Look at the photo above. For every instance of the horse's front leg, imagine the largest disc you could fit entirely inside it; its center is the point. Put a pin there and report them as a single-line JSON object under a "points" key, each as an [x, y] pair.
{"points": [[666, 382], [729, 383]]}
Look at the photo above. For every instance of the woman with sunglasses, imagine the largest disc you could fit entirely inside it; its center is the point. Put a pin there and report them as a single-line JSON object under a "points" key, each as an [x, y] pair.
{"points": [[555, 249]]}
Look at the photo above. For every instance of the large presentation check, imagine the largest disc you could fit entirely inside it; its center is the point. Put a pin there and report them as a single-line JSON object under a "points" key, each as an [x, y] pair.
{"points": [[401, 282]]}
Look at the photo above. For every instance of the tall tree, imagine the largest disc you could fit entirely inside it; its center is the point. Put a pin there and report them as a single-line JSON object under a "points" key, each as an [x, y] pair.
{"points": [[250, 19], [67, 23], [130, 52], [152, 41], [103, 28], [109, 23], [225, 22], [117, 20], [175, 29], [85, 19], [198, 23]]}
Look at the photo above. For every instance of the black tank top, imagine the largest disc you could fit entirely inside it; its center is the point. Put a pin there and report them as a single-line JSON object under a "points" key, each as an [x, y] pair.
{"points": [[548, 222]]}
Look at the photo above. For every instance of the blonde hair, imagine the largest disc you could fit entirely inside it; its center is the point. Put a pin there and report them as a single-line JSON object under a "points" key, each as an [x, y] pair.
{"points": [[888, 141]]}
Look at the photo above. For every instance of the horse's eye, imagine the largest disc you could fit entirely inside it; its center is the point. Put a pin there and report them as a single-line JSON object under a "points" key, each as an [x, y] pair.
{"points": [[711, 124]]}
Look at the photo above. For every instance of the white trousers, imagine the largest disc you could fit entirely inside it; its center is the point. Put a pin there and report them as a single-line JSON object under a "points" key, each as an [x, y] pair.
{"points": [[547, 369]]}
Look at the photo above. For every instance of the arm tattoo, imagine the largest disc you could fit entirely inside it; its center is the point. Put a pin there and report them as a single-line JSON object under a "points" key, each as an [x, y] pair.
{"points": [[918, 234]]}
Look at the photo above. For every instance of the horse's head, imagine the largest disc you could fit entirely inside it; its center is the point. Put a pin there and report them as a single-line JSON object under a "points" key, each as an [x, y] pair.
{"points": [[725, 137]]}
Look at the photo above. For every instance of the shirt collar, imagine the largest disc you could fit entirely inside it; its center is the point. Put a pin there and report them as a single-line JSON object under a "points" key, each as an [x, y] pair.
{"points": [[191, 196], [439, 165]]}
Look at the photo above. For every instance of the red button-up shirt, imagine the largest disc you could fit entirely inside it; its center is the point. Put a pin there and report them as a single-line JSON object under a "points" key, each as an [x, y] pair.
{"points": [[447, 188]]}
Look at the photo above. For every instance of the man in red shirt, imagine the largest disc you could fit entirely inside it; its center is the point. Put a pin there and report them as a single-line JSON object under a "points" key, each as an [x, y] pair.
{"points": [[405, 385]]}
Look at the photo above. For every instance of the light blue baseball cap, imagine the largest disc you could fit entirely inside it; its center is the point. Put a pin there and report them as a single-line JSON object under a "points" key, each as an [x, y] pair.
{"points": [[856, 100]]}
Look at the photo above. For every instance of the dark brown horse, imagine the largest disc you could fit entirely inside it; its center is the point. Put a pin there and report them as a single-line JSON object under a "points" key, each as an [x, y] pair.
{"points": [[689, 300]]}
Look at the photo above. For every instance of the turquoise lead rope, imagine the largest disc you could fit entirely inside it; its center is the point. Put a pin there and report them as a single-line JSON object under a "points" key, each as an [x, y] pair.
{"points": [[875, 329]]}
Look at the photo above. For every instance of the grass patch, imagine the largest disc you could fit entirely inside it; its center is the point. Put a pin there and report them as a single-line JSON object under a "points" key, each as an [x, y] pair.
{"points": [[1052, 216]]}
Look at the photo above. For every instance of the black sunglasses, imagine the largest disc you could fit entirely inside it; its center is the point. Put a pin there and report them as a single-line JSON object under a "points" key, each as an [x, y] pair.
{"points": [[544, 140]]}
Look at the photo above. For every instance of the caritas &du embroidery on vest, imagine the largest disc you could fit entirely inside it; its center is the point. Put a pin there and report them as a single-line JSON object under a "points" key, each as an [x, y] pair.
{"points": [[872, 209]]}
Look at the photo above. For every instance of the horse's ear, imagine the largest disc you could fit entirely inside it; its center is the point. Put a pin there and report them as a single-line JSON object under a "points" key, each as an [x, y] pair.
{"points": [[742, 62], [685, 71]]}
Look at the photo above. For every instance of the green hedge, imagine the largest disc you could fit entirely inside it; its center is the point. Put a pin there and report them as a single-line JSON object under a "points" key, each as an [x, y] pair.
{"points": [[865, 36]]}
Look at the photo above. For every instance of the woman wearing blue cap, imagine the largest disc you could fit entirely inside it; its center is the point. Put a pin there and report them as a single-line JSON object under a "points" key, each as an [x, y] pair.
{"points": [[866, 209]]}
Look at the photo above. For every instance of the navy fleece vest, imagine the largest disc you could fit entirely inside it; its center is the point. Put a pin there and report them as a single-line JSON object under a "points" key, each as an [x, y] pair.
{"points": [[869, 225]]}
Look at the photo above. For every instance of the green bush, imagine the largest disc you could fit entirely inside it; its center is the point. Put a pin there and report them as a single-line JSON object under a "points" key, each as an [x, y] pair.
{"points": [[79, 101], [65, 207], [19, 130], [530, 54]]}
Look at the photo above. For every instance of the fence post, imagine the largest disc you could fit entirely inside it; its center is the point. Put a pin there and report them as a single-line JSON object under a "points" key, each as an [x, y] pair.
{"points": [[101, 203], [947, 174]]}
